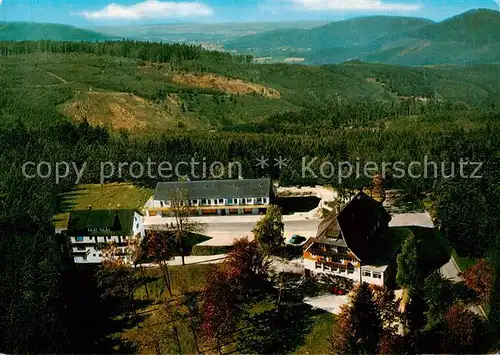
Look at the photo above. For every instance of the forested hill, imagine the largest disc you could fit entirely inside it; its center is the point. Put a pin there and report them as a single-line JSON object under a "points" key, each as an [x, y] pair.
{"points": [[476, 27], [28, 31], [342, 34], [471, 37], [152, 87]]}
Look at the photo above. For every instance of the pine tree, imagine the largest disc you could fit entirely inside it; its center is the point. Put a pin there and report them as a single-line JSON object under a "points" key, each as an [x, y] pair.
{"points": [[408, 275], [358, 329]]}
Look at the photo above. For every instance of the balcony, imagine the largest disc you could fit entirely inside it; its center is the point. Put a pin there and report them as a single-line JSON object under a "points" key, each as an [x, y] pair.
{"points": [[326, 252], [77, 252]]}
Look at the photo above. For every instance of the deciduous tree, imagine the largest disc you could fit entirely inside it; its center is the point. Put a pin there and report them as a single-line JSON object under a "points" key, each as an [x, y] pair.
{"points": [[220, 309], [184, 224], [479, 278], [135, 253], [160, 246], [269, 230], [388, 308], [438, 298], [118, 279], [246, 265], [464, 332]]}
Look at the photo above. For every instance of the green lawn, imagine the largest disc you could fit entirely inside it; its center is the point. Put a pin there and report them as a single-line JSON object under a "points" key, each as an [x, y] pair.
{"points": [[317, 341], [297, 329], [463, 262], [108, 196], [183, 278]]}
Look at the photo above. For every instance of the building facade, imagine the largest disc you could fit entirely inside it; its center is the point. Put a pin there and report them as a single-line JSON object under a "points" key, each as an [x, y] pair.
{"points": [[212, 197], [352, 243], [91, 231]]}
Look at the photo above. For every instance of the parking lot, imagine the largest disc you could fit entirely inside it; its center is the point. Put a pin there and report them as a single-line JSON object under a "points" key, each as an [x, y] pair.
{"points": [[225, 229]]}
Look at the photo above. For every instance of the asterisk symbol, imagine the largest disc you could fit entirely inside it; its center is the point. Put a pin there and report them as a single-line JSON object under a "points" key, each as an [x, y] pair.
{"points": [[262, 162], [280, 162]]}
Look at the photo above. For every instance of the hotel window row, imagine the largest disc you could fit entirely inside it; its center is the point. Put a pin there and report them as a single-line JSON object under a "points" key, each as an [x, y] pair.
{"points": [[222, 202]]}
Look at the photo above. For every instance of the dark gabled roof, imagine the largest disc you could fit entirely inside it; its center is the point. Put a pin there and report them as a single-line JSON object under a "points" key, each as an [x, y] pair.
{"points": [[352, 226], [115, 222], [211, 189], [357, 221], [329, 227]]}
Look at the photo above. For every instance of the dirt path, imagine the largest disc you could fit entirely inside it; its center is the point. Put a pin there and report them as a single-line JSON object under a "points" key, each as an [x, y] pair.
{"points": [[62, 80]]}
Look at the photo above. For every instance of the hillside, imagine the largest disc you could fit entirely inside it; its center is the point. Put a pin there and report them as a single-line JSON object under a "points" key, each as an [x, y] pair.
{"points": [[475, 27], [192, 89], [472, 37], [27, 31], [349, 33]]}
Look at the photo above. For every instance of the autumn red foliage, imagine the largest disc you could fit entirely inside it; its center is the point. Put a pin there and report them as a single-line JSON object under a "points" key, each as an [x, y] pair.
{"points": [[479, 278], [465, 332], [220, 307], [243, 271], [246, 266]]}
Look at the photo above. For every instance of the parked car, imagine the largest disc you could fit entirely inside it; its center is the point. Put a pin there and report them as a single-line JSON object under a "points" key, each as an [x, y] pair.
{"points": [[296, 239], [337, 290]]}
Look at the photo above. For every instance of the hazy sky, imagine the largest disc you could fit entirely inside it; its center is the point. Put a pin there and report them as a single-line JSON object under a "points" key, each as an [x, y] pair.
{"points": [[91, 13]]}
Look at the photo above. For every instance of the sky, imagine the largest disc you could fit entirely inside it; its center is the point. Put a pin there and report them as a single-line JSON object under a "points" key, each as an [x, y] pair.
{"points": [[96, 13]]}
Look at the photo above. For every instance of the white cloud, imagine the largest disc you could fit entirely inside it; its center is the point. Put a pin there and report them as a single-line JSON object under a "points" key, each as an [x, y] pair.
{"points": [[353, 5], [149, 9]]}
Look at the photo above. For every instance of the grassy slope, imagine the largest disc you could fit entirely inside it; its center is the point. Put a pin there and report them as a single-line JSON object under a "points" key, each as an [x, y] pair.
{"points": [[307, 333]]}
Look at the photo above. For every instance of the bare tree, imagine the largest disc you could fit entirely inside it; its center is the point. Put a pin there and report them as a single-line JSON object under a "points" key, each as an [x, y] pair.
{"points": [[159, 248], [135, 253], [182, 212]]}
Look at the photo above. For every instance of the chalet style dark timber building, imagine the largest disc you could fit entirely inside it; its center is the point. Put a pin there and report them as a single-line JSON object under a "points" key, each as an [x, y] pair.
{"points": [[353, 243]]}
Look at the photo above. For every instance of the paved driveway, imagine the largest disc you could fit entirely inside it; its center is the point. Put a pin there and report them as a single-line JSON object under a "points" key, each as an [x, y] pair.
{"points": [[225, 229], [411, 219], [328, 303]]}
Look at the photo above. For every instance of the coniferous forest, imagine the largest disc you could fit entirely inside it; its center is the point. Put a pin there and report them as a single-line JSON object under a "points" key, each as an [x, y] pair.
{"points": [[52, 92]]}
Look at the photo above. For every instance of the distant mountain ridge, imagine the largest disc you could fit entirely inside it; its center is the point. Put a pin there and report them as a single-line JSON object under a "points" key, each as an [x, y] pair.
{"points": [[348, 33], [29, 31], [476, 26], [471, 37]]}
